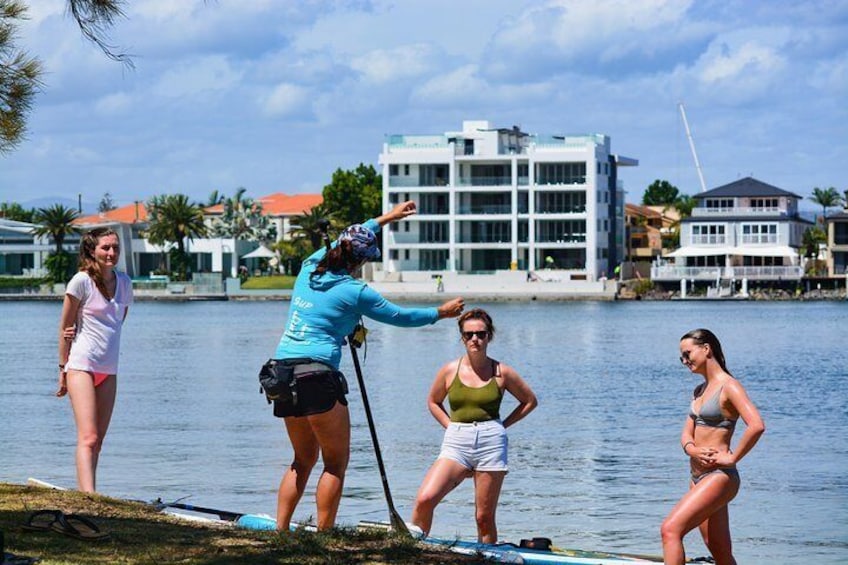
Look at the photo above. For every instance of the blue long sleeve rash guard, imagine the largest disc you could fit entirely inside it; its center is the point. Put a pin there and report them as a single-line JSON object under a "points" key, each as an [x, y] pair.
{"points": [[325, 309]]}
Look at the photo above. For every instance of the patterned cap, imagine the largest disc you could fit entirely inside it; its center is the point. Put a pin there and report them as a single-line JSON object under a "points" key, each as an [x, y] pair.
{"points": [[363, 240]]}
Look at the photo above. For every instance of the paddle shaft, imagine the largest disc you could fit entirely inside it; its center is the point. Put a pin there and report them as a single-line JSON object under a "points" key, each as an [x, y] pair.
{"points": [[397, 522], [395, 519]]}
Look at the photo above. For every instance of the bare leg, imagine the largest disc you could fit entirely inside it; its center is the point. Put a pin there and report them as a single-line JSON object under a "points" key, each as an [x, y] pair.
{"points": [[332, 429], [294, 480], [443, 477], [703, 500], [92, 413], [716, 533], [487, 490]]}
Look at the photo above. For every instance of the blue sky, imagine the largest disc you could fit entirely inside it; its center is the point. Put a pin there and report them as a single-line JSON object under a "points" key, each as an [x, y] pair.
{"points": [[274, 95]]}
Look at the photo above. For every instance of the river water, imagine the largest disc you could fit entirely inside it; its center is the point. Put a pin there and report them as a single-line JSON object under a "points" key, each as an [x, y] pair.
{"points": [[596, 466]]}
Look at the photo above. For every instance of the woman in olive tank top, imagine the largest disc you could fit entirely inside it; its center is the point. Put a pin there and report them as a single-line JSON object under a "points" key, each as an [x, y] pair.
{"points": [[475, 442]]}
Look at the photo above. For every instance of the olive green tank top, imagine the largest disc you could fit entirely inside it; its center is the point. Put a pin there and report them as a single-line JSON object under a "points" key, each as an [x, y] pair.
{"points": [[475, 404]]}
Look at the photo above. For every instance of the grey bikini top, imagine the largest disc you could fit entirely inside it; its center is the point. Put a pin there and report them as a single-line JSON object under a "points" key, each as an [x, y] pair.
{"points": [[710, 414]]}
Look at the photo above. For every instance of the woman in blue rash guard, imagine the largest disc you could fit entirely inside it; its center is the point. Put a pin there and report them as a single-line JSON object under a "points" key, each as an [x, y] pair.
{"points": [[327, 303]]}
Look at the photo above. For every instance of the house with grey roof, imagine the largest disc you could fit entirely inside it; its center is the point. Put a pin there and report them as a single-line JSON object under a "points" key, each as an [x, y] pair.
{"points": [[746, 230], [837, 244]]}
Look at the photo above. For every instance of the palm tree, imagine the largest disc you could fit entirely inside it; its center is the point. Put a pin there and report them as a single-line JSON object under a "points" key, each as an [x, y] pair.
{"points": [[56, 221], [215, 198], [243, 218], [309, 223], [826, 198], [173, 219]]}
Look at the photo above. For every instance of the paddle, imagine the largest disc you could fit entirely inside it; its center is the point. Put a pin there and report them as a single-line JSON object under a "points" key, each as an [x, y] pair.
{"points": [[355, 340], [397, 522], [222, 514]]}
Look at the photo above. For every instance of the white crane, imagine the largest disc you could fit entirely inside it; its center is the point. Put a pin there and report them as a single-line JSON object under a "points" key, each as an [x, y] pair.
{"points": [[692, 147]]}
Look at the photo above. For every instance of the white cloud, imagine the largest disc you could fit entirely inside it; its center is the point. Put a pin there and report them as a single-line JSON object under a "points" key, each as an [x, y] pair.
{"points": [[113, 104], [194, 76], [723, 63], [385, 65], [285, 99], [452, 86]]}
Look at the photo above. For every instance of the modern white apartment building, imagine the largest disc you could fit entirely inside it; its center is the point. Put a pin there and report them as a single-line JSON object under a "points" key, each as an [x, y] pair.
{"points": [[498, 198]]}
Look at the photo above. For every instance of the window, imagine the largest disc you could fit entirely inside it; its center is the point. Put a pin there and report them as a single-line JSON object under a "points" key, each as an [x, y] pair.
{"points": [[759, 233], [393, 170], [764, 204], [708, 234], [406, 170], [561, 173], [719, 204]]}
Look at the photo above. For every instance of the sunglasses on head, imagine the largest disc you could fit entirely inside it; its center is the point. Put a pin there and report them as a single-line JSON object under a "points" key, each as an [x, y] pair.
{"points": [[481, 334]]}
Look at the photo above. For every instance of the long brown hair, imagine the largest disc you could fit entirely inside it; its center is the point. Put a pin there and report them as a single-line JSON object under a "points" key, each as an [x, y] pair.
{"points": [[703, 336], [87, 262], [339, 258]]}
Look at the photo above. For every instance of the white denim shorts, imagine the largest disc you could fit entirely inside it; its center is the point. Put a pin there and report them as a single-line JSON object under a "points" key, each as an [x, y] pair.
{"points": [[479, 446]]}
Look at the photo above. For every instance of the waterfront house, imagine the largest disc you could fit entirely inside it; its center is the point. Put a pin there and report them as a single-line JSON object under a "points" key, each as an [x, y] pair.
{"points": [[22, 252], [649, 232], [746, 230], [140, 258], [837, 244], [493, 199]]}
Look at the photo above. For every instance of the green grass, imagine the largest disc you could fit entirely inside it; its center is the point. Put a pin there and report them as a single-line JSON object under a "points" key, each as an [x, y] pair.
{"points": [[22, 282], [140, 534], [275, 282]]}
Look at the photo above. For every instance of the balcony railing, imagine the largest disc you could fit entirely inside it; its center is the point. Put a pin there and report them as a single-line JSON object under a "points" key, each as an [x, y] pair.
{"points": [[676, 273], [407, 182], [708, 240], [761, 238], [738, 211], [485, 209], [484, 181]]}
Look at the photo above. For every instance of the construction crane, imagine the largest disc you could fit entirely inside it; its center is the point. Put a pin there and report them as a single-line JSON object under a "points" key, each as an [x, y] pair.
{"points": [[692, 147]]}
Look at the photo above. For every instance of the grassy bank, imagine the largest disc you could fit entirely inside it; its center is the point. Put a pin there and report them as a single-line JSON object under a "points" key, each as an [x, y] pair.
{"points": [[275, 282], [139, 534]]}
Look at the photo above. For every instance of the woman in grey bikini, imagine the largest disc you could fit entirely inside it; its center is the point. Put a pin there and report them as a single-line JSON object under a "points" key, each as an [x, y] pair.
{"points": [[717, 404]]}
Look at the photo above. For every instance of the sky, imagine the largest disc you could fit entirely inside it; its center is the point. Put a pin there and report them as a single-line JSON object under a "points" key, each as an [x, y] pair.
{"points": [[275, 95]]}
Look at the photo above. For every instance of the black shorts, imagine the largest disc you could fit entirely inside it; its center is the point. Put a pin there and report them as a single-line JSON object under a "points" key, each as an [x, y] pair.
{"points": [[319, 387]]}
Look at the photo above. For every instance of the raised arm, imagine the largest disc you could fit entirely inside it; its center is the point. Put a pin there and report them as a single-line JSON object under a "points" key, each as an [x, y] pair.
{"points": [[399, 212], [375, 306]]}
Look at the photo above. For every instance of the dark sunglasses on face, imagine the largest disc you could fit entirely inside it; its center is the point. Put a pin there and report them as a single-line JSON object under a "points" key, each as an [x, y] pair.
{"points": [[684, 358], [481, 335]]}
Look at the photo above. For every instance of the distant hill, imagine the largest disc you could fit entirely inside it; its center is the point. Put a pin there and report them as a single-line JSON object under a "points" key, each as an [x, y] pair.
{"points": [[87, 207]]}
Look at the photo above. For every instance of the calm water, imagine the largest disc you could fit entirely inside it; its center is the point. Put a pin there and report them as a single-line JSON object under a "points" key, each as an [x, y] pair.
{"points": [[597, 465]]}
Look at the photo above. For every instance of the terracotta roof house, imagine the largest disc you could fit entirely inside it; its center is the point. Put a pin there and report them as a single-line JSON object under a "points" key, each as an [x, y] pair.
{"points": [[23, 254]]}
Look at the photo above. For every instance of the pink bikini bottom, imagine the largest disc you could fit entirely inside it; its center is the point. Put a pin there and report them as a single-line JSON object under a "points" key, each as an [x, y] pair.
{"points": [[100, 378]]}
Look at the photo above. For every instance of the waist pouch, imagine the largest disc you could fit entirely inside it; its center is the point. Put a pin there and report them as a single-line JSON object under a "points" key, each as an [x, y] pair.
{"points": [[278, 378]]}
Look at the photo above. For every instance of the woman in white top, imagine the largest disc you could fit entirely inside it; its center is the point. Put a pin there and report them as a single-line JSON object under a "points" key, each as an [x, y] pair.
{"points": [[96, 303]]}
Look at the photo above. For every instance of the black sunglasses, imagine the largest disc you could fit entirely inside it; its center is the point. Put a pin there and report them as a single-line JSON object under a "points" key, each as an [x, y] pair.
{"points": [[481, 334], [684, 358]]}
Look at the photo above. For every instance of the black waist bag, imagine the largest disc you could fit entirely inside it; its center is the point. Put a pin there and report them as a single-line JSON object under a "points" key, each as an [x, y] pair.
{"points": [[277, 380]]}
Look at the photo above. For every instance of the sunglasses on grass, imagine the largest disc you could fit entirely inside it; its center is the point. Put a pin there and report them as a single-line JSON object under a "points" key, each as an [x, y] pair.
{"points": [[481, 335]]}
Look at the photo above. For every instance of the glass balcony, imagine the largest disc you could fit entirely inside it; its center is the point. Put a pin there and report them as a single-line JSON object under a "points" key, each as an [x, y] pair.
{"points": [[484, 181]]}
